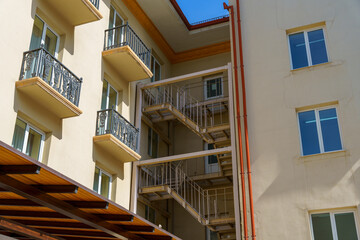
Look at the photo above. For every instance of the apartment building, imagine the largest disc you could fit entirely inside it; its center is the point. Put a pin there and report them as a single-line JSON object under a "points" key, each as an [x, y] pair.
{"points": [[122, 120], [81, 109]]}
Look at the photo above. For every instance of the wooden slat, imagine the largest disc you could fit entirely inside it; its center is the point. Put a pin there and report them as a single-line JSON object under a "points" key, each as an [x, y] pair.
{"points": [[39, 223], [79, 204], [22, 230], [57, 188], [19, 169]]}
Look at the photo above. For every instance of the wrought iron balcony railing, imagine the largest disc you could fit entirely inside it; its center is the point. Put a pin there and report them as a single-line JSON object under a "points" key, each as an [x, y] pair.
{"points": [[40, 63], [110, 121], [95, 3], [124, 35]]}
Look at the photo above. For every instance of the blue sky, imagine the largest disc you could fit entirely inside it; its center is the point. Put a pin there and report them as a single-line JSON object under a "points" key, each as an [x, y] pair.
{"points": [[198, 10]]}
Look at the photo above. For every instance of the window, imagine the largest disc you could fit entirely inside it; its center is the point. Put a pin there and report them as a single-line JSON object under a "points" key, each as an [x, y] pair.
{"points": [[211, 162], [213, 87], [319, 131], [155, 69], [334, 226], [150, 214], [307, 48], [102, 182], [109, 98], [116, 36], [153, 140], [28, 140], [210, 235], [42, 35]]}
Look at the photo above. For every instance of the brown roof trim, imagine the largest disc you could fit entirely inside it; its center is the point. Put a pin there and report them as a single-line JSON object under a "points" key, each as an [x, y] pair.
{"points": [[159, 39], [195, 26], [205, 51]]}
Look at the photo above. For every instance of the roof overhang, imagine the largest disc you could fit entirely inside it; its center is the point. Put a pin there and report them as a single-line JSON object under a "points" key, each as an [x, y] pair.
{"points": [[156, 21], [202, 24], [37, 202]]}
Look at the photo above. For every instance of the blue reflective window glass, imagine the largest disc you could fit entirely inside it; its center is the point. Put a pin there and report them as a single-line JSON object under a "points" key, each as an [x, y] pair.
{"points": [[317, 47], [308, 132], [330, 130], [298, 50]]}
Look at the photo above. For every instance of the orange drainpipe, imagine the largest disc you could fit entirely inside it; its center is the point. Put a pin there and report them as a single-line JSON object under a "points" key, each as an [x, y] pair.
{"points": [[248, 164], [242, 173], [244, 111]]}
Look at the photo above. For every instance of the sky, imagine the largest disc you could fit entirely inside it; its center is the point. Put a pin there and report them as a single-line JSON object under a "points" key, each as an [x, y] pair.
{"points": [[198, 10]]}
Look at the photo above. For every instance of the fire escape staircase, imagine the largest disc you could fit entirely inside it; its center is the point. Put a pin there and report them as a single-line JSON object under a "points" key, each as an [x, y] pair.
{"points": [[207, 119], [211, 207]]}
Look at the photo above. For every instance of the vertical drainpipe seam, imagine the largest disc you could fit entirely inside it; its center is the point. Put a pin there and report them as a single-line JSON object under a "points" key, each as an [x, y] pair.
{"points": [[243, 191], [248, 164]]}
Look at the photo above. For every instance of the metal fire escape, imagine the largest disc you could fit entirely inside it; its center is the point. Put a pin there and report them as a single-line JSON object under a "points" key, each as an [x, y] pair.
{"points": [[207, 197]]}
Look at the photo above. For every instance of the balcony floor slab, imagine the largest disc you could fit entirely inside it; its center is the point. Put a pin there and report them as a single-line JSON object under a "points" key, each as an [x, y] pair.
{"points": [[116, 148], [127, 63], [46, 96], [76, 12]]}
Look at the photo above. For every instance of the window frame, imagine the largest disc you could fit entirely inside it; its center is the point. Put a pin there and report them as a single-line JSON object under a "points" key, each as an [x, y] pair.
{"points": [[113, 24], [110, 181], [147, 217], [210, 167], [307, 46], [43, 35], [150, 147], [319, 131], [154, 61], [206, 79], [333, 221], [108, 96], [26, 138]]}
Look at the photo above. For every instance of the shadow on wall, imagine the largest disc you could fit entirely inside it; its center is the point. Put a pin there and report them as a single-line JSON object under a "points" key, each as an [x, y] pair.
{"points": [[36, 115], [64, 29], [107, 162]]}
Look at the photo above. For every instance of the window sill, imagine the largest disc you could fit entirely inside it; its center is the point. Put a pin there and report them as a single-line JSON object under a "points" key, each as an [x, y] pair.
{"points": [[309, 68], [326, 155]]}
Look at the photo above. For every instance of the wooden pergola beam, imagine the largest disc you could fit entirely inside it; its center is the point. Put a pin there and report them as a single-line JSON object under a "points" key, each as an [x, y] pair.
{"points": [[184, 156], [22, 230], [63, 208], [40, 223], [20, 169], [81, 233], [78, 204]]}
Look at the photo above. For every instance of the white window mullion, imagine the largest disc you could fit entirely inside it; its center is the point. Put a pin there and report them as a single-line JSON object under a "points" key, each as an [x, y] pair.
{"points": [[26, 138], [318, 126], [333, 226], [43, 35], [307, 46], [99, 188], [108, 96]]}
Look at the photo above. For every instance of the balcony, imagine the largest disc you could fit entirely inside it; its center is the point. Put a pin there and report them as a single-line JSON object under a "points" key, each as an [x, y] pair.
{"points": [[116, 136], [77, 12], [48, 83], [126, 53]]}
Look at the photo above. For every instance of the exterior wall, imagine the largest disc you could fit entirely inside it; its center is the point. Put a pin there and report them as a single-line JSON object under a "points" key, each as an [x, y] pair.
{"points": [[286, 185], [186, 226], [69, 146]]}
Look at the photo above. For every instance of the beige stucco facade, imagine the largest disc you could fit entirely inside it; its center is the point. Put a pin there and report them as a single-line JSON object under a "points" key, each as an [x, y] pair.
{"points": [[287, 186]]}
